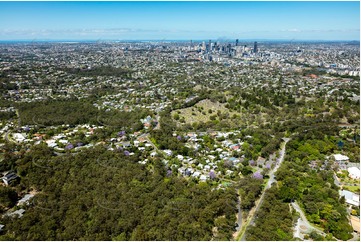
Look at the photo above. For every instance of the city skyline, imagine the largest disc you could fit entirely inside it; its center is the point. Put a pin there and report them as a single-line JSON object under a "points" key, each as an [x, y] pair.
{"points": [[179, 20]]}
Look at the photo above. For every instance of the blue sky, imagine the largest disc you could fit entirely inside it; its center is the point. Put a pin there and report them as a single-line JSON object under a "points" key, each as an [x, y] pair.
{"points": [[180, 20]]}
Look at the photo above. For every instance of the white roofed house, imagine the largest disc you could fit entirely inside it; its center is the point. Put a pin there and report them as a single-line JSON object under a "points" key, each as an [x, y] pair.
{"points": [[19, 137], [180, 157], [25, 199], [341, 161], [196, 174], [203, 178], [354, 172], [339, 157], [168, 152], [350, 197], [19, 213]]}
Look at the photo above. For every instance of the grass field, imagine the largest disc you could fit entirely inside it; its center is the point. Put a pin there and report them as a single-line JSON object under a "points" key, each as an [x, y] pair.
{"points": [[201, 112]]}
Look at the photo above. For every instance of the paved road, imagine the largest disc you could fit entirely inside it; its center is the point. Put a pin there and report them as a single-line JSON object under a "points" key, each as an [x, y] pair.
{"points": [[297, 232], [336, 181], [158, 120], [269, 184], [278, 164], [146, 136], [309, 226], [8, 138], [239, 217]]}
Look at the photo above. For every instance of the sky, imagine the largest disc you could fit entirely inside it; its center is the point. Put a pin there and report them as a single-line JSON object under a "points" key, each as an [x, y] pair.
{"points": [[179, 20]]}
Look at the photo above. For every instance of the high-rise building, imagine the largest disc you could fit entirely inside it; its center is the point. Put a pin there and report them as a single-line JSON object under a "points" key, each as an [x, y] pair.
{"points": [[255, 49], [229, 48], [236, 42]]}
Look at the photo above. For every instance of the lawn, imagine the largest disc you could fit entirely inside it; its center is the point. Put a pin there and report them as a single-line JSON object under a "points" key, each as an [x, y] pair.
{"points": [[355, 189]]}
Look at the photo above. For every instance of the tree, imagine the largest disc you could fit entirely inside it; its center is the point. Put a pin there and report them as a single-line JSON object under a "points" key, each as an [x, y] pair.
{"points": [[8, 197]]}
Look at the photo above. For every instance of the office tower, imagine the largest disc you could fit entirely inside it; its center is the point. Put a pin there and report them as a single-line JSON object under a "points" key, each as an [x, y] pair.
{"points": [[255, 49], [236, 42]]}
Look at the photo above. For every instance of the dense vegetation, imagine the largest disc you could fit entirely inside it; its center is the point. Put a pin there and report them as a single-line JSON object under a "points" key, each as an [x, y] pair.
{"points": [[314, 188], [74, 112], [8, 197], [57, 112], [99, 194], [164, 138], [99, 71], [102, 195], [250, 189], [273, 220]]}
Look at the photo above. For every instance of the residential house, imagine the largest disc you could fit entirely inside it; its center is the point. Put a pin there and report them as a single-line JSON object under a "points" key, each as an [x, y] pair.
{"points": [[25, 199], [354, 172], [261, 161], [196, 174], [203, 178], [351, 198], [19, 212], [9, 177], [339, 157], [180, 157], [168, 152], [125, 144], [18, 137]]}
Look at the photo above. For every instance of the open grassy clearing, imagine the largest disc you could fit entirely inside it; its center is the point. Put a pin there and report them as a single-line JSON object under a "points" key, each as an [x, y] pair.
{"points": [[203, 111]]}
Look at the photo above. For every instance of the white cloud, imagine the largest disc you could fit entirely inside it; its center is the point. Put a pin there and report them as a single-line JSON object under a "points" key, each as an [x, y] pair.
{"points": [[135, 33]]}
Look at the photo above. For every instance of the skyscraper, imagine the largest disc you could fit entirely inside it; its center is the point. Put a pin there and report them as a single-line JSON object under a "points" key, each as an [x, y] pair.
{"points": [[229, 49], [255, 49], [236, 42]]}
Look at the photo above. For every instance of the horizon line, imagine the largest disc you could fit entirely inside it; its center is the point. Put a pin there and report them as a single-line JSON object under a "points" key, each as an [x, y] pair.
{"points": [[34, 40]]}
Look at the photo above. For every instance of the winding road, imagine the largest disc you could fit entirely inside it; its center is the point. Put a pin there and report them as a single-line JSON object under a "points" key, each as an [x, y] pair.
{"points": [[309, 227]]}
